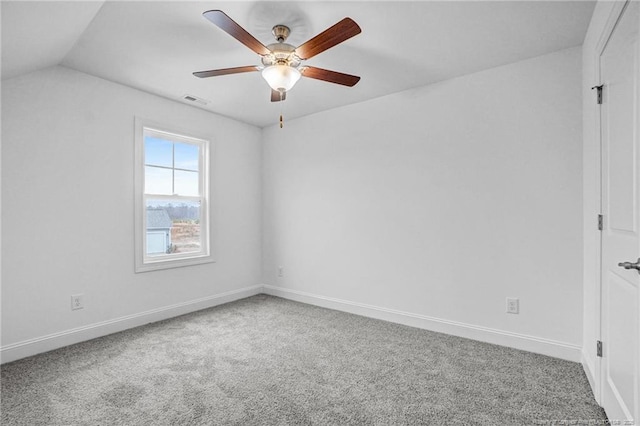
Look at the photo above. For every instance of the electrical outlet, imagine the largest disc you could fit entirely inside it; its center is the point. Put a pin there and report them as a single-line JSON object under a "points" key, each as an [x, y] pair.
{"points": [[280, 271], [77, 301], [513, 305]]}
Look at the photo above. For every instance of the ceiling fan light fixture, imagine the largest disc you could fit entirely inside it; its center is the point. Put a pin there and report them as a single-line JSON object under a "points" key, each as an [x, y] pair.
{"points": [[281, 77]]}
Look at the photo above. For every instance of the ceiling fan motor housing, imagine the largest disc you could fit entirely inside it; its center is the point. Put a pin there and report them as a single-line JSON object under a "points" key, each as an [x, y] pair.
{"points": [[281, 54]]}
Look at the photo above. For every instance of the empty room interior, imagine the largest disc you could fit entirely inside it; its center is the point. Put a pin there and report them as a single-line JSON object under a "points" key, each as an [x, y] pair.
{"points": [[359, 212]]}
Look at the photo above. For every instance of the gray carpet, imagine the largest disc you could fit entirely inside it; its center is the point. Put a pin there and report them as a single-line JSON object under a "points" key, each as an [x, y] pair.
{"points": [[266, 360]]}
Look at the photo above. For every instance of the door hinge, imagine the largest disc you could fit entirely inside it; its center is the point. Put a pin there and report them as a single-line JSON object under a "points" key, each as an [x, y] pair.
{"points": [[599, 349], [600, 222], [599, 88]]}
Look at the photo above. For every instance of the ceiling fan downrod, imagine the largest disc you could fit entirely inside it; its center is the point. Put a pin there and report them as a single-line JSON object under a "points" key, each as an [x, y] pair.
{"points": [[281, 107]]}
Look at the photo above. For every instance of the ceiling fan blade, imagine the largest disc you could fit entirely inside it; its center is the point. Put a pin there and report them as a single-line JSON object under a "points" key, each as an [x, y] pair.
{"points": [[330, 37], [330, 76], [219, 18], [275, 96], [225, 71]]}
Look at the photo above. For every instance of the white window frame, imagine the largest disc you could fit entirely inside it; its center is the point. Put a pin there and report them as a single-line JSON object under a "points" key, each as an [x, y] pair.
{"points": [[143, 262]]}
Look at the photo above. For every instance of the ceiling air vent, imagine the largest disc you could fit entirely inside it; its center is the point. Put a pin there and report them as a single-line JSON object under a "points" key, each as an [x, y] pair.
{"points": [[195, 99]]}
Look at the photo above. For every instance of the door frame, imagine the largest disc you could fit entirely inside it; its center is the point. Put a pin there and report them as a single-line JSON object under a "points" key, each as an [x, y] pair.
{"points": [[617, 8]]}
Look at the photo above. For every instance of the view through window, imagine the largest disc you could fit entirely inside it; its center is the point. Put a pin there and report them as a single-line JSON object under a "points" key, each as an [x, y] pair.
{"points": [[174, 196]]}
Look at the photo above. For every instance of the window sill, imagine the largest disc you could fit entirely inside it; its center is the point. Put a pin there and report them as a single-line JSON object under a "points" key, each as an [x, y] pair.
{"points": [[172, 263]]}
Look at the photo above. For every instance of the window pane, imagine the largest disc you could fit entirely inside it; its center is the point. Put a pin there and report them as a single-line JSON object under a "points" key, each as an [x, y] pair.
{"points": [[157, 181], [186, 156], [180, 223], [186, 183], [158, 152]]}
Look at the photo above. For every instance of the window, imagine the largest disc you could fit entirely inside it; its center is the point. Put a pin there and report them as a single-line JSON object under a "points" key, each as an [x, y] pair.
{"points": [[172, 199]]}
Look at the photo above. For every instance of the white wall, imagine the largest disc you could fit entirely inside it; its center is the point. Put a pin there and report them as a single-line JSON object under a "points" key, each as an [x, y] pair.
{"points": [[67, 189], [427, 207], [433, 205]]}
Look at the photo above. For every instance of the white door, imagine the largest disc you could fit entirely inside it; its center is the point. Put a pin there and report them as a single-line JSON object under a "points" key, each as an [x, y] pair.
{"points": [[620, 288]]}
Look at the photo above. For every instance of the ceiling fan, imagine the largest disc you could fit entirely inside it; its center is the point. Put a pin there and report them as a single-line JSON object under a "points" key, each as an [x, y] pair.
{"points": [[281, 63]]}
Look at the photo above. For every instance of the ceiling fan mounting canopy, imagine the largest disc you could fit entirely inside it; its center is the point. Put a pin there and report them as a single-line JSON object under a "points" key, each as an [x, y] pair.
{"points": [[280, 32], [282, 62]]}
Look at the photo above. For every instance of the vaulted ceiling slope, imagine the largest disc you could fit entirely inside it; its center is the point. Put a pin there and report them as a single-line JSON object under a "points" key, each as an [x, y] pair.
{"points": [[155, 46]]}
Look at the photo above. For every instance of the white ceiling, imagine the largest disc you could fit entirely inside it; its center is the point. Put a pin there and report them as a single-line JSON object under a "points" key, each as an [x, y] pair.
{"points": [[155, 46], [39, 34]]}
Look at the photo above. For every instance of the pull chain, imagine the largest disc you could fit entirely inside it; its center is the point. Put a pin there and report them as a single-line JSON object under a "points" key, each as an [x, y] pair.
{"points": [[281, 107]]}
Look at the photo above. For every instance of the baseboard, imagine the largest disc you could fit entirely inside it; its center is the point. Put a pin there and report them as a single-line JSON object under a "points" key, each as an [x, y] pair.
{"points": [[42, 344], [49, 342], [539, 345]]}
